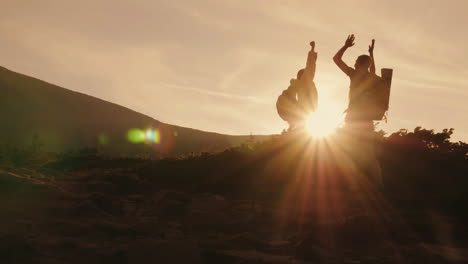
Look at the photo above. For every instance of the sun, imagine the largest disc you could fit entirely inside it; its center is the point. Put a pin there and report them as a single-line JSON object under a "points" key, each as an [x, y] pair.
{"points": [[325, 120]]}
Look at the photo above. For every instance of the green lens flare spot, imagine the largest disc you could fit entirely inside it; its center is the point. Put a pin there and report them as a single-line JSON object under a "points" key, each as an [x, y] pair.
{"points": [[136, 135], [103, 139]]}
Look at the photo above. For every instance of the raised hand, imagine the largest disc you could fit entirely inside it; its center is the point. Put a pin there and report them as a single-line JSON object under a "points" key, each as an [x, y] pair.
{"points": [[309, 70], [312, 45], [349, 41], [312, 56], [371, 48]]}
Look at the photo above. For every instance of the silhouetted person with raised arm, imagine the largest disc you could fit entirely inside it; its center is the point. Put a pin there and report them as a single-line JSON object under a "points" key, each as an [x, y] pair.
{"points": [[299, 101], [358, 124], [307, 95]]}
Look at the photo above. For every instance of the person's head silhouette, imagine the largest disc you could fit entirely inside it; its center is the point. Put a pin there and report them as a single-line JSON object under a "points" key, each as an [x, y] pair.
{"points": [[363, 62]]}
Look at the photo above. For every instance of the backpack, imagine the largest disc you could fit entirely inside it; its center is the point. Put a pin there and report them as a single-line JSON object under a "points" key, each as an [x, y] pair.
{"points": [[286, 104], [373, 103]]}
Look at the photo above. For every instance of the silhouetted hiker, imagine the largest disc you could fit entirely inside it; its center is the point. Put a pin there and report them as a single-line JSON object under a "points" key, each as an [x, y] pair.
{"points": [[296, 103], [360, 113]]}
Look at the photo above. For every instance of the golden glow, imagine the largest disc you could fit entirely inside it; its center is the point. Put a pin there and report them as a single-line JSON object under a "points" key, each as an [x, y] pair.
{"points": [[324, 122]]}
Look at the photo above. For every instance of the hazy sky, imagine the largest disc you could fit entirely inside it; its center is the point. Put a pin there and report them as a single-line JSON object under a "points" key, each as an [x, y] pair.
{"points": [[219, 65]]}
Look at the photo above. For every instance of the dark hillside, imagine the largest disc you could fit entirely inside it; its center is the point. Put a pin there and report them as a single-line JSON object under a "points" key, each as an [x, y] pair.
{"points": [[66, 120], [290, 199]]}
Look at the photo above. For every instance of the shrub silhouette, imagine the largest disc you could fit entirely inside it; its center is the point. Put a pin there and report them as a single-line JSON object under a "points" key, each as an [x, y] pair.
{"points": [[421, 165], [31, 155]]}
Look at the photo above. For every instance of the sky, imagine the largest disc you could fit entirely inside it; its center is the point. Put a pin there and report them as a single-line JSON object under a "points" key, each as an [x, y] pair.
{"points": [[219, 65]]}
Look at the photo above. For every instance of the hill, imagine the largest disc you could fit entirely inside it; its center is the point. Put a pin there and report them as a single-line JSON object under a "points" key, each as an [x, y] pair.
{"points": [[285, 200], [64, 120]]}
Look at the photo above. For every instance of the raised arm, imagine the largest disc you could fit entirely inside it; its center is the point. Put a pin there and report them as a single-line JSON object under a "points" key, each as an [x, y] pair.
{"points": [[309, 70], [371, 54], [339, 55]]}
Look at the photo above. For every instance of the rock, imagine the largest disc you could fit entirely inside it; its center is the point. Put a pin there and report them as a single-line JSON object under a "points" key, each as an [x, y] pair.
{"points": [[106, 203], [253, 256], [358, 232], [68, 228], [126, 183], [85, 208], [16, 249], [129, 208], [214, 221], [309, 250], [157, 251], [247, 241], [136, 197], [173, 206], [114, 230], [173, 210], [102, 187], [208, 203], [211, 256], [148, 226]]}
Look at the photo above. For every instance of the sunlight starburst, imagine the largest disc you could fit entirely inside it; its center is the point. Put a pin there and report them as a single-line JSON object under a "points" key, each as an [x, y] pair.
{"points": [[325, 121]]}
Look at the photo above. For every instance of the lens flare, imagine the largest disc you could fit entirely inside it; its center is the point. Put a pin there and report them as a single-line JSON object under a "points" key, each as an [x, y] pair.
{"points": [[103, 139], [136, 135], [149, 136], [152, 136]]}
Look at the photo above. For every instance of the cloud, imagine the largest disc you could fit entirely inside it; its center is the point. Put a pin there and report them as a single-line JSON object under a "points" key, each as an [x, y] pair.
{"points": [[251, 99]]}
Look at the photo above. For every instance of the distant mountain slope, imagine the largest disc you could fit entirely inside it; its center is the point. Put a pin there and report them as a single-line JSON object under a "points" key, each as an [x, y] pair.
{"points": [[66, 120]]}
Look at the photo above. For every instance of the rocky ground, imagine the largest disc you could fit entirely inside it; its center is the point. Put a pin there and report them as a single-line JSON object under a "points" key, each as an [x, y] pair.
{"points": [[117, 216]]}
